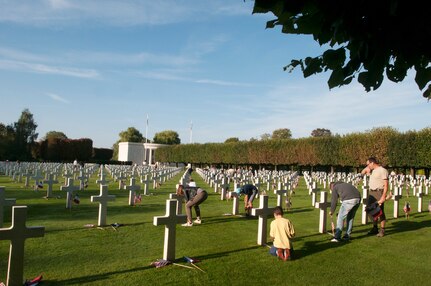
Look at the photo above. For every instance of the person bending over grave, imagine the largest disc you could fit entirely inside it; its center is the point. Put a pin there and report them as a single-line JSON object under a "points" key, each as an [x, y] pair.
{"points": [[192, 183], [281, 231], [194, 196], [379, 181], [250, 191], [350, 199]]}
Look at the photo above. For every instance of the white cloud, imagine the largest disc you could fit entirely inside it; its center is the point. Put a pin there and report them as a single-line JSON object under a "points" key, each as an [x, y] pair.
{"points": [[56, 97], [46, 69], [116, 13]]}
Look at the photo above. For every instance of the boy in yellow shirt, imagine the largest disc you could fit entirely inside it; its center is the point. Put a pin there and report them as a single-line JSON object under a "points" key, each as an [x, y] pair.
{"points": [[281, 231]]}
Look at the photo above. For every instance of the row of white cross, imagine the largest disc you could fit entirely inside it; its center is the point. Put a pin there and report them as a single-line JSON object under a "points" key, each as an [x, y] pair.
{"points": [[18, 232]]}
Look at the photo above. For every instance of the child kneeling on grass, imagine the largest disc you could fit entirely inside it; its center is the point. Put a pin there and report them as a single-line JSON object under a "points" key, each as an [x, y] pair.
{"points": [[281, 231]]}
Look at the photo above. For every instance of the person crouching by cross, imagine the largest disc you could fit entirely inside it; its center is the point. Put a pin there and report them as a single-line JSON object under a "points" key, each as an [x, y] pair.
{"points": [[194, 197], [250, 191], [350, 199], [281, 231]]}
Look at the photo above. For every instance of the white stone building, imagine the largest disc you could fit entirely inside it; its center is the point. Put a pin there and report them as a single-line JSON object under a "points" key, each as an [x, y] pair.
{"points": [[138, 153]]}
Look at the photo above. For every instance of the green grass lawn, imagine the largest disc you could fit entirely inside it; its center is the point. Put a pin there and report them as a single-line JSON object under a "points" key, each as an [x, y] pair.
{"points": [[70, 254]]}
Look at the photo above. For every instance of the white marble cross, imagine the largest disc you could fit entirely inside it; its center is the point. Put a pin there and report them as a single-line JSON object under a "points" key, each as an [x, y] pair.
{"points": [[323, 205], [170, 220], [396, 197], [102, 179], [280, 194], [120, 179], [3, 203], [180, 202], [82, 179], [70, 188], [313, 190], [263, 212], [132, 188], [50, 181], [235, 205], [224, 188], [66, 176], [364, 204], [37, 177], [103, 198], [419, 195], [27, 176], [17, 234], [146, 181]]}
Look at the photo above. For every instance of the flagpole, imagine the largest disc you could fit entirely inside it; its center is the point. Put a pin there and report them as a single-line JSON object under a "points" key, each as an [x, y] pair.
{"points": [[191, 132], [146, 131]]}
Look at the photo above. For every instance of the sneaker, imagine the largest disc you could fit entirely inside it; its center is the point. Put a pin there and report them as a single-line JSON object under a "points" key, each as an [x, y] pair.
{"points": [[374, 230], [346, 237], [187, 224], [287, 255], [335, 240], [197, 221], [280, 253], [381, 233]]}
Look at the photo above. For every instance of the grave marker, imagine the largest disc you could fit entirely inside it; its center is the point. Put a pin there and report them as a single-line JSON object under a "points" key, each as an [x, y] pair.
{"points": [[132, 188], [323, 205], [280, 194], [70, 188], [3, 203], [146, 182], [103, 198], [50, 181], [263, 212], [419, 195], [364, 204], [170, 220], [235, 206], [180, 202], [396, 197], [17, 234]]}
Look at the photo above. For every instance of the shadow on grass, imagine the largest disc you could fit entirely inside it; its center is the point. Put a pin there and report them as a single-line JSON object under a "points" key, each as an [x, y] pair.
{"points": [[313, 247], [406, 225], [224, 253], [92, 278], [106, 276]]}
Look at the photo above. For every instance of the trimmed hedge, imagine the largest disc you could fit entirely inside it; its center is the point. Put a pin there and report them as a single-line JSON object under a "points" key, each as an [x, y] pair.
{"points": [[411, 149]]}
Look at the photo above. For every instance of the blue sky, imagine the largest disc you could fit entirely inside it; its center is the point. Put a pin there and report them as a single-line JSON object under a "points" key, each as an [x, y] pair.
{"points": [[93, 68]]}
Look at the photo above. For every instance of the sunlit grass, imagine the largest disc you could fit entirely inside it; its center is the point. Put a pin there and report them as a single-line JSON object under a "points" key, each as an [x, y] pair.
{"points": [[70, 254]]}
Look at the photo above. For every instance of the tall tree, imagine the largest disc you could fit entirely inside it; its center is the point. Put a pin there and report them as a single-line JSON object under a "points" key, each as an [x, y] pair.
{"points": [[282, 133], [368, 39], [7, 135], [168, 137], [321, 132], [55, 134], [265, 136], [131, 134], [231, 140], [25, 135]]}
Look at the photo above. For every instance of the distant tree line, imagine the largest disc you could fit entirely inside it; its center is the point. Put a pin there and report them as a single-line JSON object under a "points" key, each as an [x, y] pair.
{"points": [[18, 142], [407, 150]]}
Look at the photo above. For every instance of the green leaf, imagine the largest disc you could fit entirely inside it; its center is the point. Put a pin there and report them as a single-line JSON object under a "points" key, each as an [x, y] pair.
{"points": [[334, 59], [271, 24], [293, 64], [363, 79], [423, 76], [336, 78], [312, 66], [427, 92]]}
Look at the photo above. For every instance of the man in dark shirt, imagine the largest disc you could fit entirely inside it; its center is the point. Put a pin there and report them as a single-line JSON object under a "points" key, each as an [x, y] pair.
{"points": [[250, 191], [350, 198]]}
